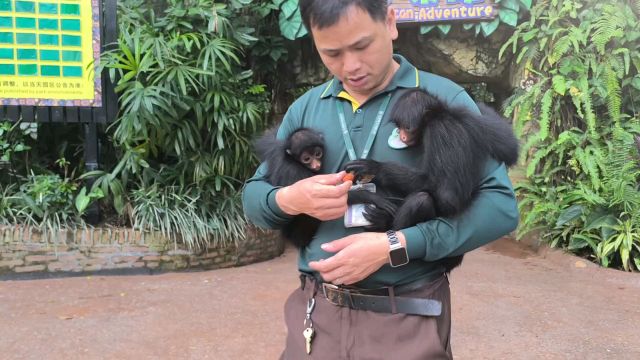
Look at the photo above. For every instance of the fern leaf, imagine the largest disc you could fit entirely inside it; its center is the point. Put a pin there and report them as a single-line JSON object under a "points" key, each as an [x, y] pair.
{"points": [[545, 114], [625, 58], [561, 47], [614, 96], [608, 26], [537, 156], [590, 118]]}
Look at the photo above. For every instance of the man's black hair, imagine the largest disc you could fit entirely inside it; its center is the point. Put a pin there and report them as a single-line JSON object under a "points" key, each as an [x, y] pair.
{"points": [[325, 13]]}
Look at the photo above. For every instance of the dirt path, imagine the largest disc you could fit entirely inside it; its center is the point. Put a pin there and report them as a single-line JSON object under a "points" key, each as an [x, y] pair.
{"points": [[509, 303]]}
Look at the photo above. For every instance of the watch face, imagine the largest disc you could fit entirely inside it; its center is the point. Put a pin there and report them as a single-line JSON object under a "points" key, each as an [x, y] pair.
{"points": [[398, 257]]}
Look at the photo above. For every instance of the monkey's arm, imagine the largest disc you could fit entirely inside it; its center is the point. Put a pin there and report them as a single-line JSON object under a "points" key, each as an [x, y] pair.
{"points": [[396, 178]]}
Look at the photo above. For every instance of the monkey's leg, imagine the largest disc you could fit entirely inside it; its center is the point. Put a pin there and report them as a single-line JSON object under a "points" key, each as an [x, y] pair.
{"points": [[417, 207], [380, 215], [300, 230]]}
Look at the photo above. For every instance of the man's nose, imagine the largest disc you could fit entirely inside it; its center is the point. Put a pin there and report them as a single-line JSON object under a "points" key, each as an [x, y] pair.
{"points": [[352, 63]]}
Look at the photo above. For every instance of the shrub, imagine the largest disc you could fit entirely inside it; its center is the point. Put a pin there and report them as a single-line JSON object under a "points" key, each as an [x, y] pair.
{"points": [[576, 110]]}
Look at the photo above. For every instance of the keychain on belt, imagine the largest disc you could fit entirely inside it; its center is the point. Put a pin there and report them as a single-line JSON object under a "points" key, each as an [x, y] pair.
{"points": [[308, 331]]}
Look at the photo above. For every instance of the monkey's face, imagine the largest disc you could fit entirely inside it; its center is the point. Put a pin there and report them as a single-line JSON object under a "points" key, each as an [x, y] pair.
{"points": [[312, 158], [410, 137]]}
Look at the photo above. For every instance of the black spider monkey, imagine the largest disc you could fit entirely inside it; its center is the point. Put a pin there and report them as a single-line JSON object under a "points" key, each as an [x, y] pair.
{"points": [[297, 157], [456, 144]]}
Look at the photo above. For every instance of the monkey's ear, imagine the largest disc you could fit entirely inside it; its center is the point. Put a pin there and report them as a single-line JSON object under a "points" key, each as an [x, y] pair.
{"points": [[288, 151]]}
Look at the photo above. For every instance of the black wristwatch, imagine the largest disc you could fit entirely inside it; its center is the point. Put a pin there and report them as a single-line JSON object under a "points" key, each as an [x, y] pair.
{"points": [[397, 253]]}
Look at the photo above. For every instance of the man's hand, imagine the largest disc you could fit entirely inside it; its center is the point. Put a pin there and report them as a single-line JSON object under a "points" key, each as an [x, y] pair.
{"points": [[322, 196], [357, 256]]}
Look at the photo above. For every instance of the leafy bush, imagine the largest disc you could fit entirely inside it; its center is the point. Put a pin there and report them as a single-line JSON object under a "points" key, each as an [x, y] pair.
{"points": [[15, 141], [189, 109], [10, 210], [34, 192], [576, 109]]}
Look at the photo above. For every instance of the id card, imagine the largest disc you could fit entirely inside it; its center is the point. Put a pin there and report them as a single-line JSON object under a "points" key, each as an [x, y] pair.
{"points": [[354, 217]]}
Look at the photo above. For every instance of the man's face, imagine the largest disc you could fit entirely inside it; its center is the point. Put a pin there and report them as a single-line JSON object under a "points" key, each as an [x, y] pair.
{"points": [[358, 51]]}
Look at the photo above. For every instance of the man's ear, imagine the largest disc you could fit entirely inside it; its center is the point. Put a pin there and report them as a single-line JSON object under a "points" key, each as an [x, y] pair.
{"points": [[391, 23]]}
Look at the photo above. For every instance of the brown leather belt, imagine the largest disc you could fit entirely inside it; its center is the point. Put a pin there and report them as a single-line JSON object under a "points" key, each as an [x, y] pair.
{"points": [[384, 300]]}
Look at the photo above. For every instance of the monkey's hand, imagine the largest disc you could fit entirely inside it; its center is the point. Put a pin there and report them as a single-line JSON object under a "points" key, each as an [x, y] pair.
{"points": [[380, 217], [361, 168]]}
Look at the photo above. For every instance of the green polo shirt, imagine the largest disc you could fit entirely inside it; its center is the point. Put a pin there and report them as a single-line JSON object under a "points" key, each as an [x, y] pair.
{"points": [[493, 214]]}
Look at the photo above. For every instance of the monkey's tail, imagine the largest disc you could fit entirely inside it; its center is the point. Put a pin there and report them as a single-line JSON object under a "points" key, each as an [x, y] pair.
{"points": [[499, 137]]}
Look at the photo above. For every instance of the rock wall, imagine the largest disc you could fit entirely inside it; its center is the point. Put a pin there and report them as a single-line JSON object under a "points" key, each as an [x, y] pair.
{"points": [[24, 250]]}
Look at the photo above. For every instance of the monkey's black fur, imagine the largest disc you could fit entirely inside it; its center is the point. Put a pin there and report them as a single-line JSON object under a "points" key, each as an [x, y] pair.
{"points": [[456, 144], [284, 169]]}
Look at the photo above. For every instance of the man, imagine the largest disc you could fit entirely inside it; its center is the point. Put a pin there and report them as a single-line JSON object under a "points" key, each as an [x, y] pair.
{"points": [[352, 304]]}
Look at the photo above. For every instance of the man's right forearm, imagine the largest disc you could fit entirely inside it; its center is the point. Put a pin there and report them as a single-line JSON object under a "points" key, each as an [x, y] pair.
{"points": [[321, 196], [259, 203], [282, 197]]}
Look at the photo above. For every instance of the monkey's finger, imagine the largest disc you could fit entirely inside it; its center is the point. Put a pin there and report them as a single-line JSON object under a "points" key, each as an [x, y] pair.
{"points": [[390, 208], [360, 169]]}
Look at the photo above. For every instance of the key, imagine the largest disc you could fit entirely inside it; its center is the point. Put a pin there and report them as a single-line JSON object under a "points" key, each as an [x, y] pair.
{"points": [[308, 336]]}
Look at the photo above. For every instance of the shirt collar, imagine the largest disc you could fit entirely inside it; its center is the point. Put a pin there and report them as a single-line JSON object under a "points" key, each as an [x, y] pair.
{"points": [[405, 77]]}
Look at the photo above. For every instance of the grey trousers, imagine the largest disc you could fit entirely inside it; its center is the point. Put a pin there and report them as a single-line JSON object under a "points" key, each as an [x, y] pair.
{"points": [[343, 333]]}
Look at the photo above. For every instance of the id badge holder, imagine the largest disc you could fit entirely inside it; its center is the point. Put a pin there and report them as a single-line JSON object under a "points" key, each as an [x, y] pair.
{"points": [[354, 217]]}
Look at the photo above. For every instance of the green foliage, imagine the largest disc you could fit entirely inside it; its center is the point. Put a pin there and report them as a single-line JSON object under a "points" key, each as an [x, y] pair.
{"points": [[188, 109], [290, 19], [49, 202], [35, 189], [11, 210], [15, 142], [576, 109], [181, 214]]}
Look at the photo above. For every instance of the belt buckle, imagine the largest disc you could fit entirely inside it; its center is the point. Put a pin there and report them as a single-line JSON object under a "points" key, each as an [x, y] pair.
{"points": [[336, 295]]}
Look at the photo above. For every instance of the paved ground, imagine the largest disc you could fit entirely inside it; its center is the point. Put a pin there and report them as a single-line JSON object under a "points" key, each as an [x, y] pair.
{"points": [[509, 303]]}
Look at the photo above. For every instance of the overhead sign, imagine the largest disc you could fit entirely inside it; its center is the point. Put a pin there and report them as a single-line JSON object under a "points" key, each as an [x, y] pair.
{"points": [[443, 10], [48, 52]]}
